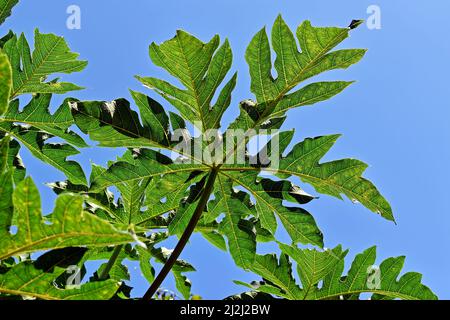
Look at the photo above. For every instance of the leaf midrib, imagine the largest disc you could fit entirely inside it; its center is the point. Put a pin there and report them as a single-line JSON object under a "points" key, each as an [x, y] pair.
{"points": [[193, 86], [37, 150], [323, 181], [230, 221], [4, 10], [28, 246], [34, 69], [279, 282], [156, 144], [310, 64]]}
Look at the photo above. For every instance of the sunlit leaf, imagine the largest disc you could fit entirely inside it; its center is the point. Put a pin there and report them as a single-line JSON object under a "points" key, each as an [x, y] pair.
{"points": [[51, 55], [5, 82], [68, 226], [5, 8], [326, 267], [201, 68]]}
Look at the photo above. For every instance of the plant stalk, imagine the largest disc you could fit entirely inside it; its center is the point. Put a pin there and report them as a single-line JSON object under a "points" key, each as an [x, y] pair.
{"points": [[206, 193], [105, 273]]}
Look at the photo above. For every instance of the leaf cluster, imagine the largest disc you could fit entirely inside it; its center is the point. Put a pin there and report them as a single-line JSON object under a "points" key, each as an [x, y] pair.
{"points": [[231, 204]]}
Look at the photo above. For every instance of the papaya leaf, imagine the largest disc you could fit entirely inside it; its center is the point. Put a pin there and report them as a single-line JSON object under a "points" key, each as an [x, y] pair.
{"points": [[277, 276], [54, 275], [162, 254], [240, 232], [245, 206], [6, 186], [27, 281], [34, 125], [5, 82], [332, 178], [117, 272], [194, 64], [145, 265], [233, 204], [101, 203], [141, 203], [215, 238], [114, 124], [5, 9], [165, 193], [183, 284], [316, 56], [51, 55], [269, 197], [148, 163], [201, 68], [10, 158], [69, 225], [116, 269], [326, 267], [186, 209], [36, 113]]}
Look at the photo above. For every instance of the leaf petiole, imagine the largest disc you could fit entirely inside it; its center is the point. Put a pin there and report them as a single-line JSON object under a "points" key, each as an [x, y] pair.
{"points": [[206, 193]]}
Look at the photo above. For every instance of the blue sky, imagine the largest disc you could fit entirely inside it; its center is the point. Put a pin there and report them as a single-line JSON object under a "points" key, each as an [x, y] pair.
{"points": [[395, 117]]}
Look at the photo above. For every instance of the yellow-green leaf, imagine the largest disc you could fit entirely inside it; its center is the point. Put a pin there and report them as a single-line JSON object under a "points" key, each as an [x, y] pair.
{"points": [[68, 226]]}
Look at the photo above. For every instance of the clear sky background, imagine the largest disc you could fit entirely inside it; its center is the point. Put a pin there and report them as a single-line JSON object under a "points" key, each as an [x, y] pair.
{"points": [[395, 117]]}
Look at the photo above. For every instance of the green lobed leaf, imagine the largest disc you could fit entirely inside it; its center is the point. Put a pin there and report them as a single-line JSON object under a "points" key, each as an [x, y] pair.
{"points": [[114, 124], [34, 125], [55, 154], [5, 9], [10, 158], [144, 263], [6, 186], [269, 196], [240, 233], [51, 55], [215, 238], [332, 178], [165, 193], [274, 96], [118, 269], [201, 68], [69, 225], [183, 284], [162, 254], [335, 177], [277, 275], [100, 203], [148, 163], [23, 279], [5, 82], [186, 209], [36, 114], [142, 202], [326, 267], [291, 65]]}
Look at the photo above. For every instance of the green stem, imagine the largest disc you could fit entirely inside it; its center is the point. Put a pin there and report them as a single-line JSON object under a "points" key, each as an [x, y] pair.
{"points": [[105, 273], [206, 193]]}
